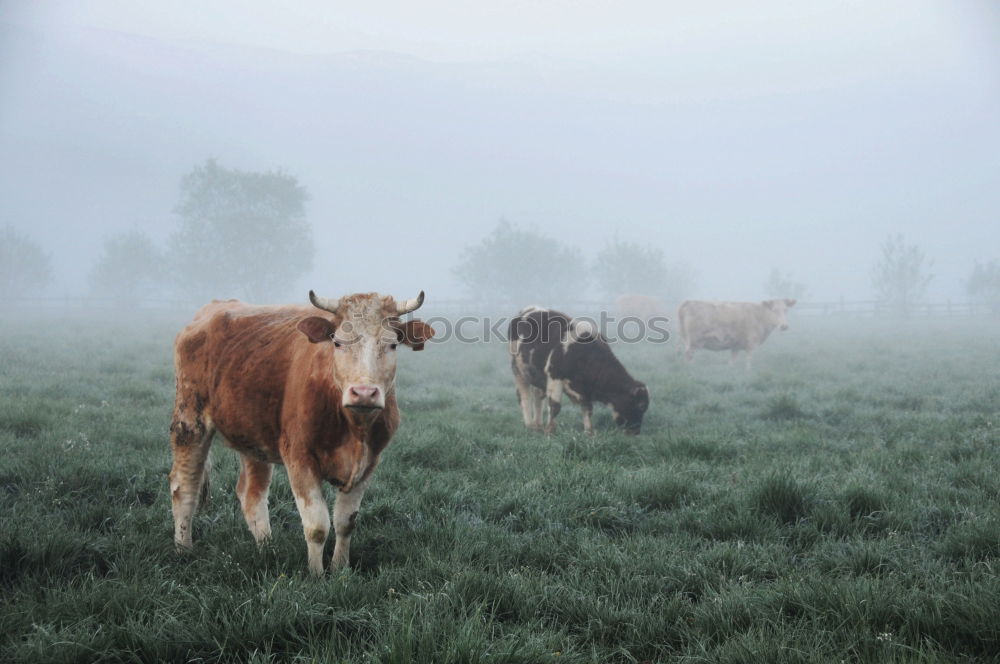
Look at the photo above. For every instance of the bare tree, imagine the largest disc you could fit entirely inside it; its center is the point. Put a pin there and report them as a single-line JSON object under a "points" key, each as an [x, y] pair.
{"points": [[516, 267], [782, 285], [25, 268], [628, 267], [983, 285], [242, 233], [624, 268], [901, 275]]}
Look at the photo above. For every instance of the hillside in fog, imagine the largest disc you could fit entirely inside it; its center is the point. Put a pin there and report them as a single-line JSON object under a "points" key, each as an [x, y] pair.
{"points": [[811, 162]]}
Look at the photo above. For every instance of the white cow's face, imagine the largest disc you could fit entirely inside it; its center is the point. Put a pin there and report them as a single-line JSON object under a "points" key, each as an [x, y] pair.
{"points": [[779, 310], [365, 332]]}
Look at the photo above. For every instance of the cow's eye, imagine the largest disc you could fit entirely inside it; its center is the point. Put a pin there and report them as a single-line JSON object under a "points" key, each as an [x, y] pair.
{"points": [[337, 344], [393, 346]]}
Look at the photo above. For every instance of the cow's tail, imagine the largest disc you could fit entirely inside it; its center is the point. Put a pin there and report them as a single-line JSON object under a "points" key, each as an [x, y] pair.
{"points": [[513, 340], [682, 325], [203, 491]]}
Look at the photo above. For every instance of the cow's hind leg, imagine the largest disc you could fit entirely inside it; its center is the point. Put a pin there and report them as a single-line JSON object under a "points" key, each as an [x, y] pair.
{"points": [[252, 489], [553, 390], [688, 351], [345, 514], [588, 416], [525, 399], [537, 406], [190, 439]]}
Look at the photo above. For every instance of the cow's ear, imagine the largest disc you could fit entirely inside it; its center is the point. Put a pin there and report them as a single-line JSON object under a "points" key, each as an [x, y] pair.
{"points": [[414, 333], [316, 329], [790, 302]]}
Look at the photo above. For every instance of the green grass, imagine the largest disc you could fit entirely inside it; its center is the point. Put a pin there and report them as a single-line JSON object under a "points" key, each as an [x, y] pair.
{"points": [[839, 502]]}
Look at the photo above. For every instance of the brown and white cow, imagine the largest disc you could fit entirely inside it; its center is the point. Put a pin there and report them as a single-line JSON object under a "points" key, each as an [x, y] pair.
{"points": [[283, 385], [732, 326], [552, 353]]}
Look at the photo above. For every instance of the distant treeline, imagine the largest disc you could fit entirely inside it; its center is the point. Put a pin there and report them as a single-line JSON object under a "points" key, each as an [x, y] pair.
{"points": [[245, 234]]}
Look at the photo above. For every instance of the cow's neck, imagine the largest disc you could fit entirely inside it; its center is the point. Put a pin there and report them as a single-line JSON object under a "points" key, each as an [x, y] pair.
{"points": [[621, 390], [360, 425]]}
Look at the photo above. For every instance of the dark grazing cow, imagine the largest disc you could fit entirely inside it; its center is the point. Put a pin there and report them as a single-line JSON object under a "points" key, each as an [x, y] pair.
{"points": [[552, 353], [732, 326], [285, 385]]}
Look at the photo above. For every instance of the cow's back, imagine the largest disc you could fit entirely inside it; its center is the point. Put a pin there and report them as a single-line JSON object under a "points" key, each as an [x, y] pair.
{"points": [[236, 358], [720, 325], [226, 333], [533, 335]]}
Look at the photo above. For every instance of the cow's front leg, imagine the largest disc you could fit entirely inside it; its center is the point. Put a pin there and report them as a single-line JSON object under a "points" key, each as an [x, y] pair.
{"points": [[345, 515], [553, 390], [308, 490]]}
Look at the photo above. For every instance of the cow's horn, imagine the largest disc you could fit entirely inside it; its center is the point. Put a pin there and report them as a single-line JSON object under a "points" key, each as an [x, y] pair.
{"points": [[324, 303], [410, 305]]}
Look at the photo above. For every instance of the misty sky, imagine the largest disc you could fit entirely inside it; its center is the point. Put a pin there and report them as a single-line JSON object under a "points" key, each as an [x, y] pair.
{"points": [[735, 136]]}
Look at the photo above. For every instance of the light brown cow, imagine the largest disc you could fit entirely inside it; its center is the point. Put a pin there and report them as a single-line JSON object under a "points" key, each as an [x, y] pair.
{"points": [[643, 307], [284, 385], [732, 326]]}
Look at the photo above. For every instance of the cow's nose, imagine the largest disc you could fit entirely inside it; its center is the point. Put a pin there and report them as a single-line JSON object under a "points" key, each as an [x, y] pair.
{"points": [[784, 327], [364, 396]]}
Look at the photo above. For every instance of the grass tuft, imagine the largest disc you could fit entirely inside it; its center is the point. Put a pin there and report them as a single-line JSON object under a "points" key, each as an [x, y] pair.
{"points": [[863, 501], [784, 407], [22, 424], [782, 497]]}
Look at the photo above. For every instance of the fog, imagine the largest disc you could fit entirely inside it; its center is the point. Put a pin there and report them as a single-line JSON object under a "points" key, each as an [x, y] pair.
{"points": [[736, 137]]}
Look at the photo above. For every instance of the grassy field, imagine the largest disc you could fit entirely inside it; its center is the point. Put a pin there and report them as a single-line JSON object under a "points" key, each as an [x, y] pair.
{"points": [[839, 502]]}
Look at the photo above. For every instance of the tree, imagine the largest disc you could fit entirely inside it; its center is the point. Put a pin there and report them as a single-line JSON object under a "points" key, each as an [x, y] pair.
{"points": [[983, 285], [517, 267], [781, 285], [901, 275], [626, 267], [24, 267], [129, 268], [680, 282], [242, 233], [623, 268]]}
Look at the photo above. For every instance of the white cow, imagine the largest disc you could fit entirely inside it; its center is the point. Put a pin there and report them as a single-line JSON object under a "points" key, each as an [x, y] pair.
{"points": [[732, 326]]}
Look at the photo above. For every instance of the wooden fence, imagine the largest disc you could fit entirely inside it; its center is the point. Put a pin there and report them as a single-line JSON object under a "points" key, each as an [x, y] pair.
{"points": [[465, 307]]}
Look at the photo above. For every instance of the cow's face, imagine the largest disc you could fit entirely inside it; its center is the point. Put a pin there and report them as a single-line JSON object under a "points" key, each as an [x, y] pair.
{"points": [[779, 310], [365, 332], [629, 408]]}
